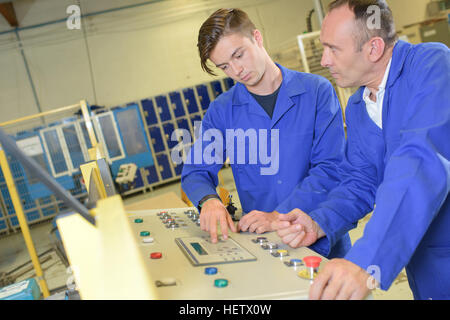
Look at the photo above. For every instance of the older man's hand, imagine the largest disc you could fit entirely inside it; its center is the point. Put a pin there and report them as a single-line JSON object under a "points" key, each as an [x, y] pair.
{"points": [[341, 279], [297, 229]]}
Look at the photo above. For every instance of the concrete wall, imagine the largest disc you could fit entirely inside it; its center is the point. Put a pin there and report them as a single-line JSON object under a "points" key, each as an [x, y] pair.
{"points": [[125, 55]]}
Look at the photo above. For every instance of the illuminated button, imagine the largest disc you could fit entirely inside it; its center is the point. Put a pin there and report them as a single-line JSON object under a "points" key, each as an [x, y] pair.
{"points": [[280, 253], [294, 263], [260, 240], [156, 255], [220, 283], [270, 246], [138, 220], [145, 233], [148, 240], [305, 274], [211, 270]]}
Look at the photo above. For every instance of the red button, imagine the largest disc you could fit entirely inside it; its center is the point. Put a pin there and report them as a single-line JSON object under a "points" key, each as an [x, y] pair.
{"points": [[312, 261], [156, 255]]}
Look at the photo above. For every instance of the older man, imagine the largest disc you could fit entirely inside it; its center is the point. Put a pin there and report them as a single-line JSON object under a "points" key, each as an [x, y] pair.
{"points": [[397, 157]]}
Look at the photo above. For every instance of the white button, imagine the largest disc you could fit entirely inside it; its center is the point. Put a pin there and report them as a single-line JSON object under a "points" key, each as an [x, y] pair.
{"points": [[148, 240]]}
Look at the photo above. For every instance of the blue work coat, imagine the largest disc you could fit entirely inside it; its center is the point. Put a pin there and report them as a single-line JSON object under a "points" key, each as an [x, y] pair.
{"points": [[308, 120], [404, 170]]}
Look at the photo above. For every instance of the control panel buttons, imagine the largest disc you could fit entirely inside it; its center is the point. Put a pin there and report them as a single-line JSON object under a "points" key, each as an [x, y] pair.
{"points": [[138, 220], [145, 233], [260, 240], [312, 261], [148, 240], [269, 246], [220, 283], [280, 253], [155, 255], [312, 264], [305, 274], [211, 270], [294, 263]]}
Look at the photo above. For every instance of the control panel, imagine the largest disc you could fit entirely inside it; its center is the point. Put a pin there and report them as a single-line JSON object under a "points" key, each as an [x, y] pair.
{"points": [[185, 264]]}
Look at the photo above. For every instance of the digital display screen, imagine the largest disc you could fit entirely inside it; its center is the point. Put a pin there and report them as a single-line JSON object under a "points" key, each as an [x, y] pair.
{"points": [[199, 248]]}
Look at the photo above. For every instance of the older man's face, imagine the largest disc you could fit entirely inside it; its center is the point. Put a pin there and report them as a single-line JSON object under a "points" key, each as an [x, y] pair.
{"points": [[347, 64]]}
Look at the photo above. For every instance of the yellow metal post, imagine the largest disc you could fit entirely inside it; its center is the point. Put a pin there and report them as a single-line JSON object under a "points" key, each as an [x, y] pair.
{"points": [[23, 222], [90, 171], [96, 152], [107, 260]]}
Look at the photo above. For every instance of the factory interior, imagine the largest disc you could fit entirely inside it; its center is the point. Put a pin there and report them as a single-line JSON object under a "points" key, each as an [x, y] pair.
{"points": [[93, 92]]}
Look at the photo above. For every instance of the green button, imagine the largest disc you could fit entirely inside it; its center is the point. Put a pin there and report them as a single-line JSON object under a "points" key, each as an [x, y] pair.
{"points": [[138, 220], [145, 233], [220, 283]]}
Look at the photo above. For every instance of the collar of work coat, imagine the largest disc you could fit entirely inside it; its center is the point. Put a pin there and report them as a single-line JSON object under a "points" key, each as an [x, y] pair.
{"points": [[401, 50], [291, 86]]}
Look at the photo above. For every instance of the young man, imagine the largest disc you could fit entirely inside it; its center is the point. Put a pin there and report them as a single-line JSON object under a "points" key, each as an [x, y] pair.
{"points": [[294, 117], [397, 157]]}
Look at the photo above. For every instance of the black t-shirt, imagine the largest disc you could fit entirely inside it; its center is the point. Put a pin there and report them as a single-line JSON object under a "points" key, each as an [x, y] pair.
{"points": [[267, 102]]}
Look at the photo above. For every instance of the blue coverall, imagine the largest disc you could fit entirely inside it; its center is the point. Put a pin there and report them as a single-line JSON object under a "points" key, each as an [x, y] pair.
{"points": [[404, 170], [311, 145]]}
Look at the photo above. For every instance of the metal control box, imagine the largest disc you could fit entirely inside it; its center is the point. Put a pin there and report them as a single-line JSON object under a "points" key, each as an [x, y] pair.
{"points": [[184, 264]]}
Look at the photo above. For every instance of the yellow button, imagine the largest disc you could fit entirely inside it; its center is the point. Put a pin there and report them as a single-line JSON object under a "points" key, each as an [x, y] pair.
{"points": [[282, 252], [304, 274]]}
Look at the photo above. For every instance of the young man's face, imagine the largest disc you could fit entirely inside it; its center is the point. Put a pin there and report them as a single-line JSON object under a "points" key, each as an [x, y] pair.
{"points": [[347, 64], [240, 57]]}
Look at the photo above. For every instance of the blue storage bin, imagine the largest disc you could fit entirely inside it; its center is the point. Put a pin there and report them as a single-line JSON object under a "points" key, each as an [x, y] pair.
{"points": [[228, 83], [203, 96], [216, 87], [177, 104], [156, 138], [168, 130], [3, 225], [152, 175], [178, 168], [24, 290], [149, 111], [162, 107], [190, 101], [196, 118], [183, 124], [164, 166]]}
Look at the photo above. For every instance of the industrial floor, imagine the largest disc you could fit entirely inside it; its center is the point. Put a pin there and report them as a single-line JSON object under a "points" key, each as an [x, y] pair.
{"points": [[13, 252]]}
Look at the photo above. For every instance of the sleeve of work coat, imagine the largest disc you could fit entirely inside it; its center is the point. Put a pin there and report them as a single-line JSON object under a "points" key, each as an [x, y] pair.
{"points": [[326, 154], [199, 176]]}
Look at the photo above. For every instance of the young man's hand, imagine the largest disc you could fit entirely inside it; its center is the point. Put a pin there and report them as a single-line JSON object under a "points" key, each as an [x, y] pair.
{"points": [[214, 211], [297, 229], [257, 221]]}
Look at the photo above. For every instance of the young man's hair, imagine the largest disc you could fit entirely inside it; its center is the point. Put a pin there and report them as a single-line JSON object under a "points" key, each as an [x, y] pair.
{"points": [[221, 23], [364, 30]]}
